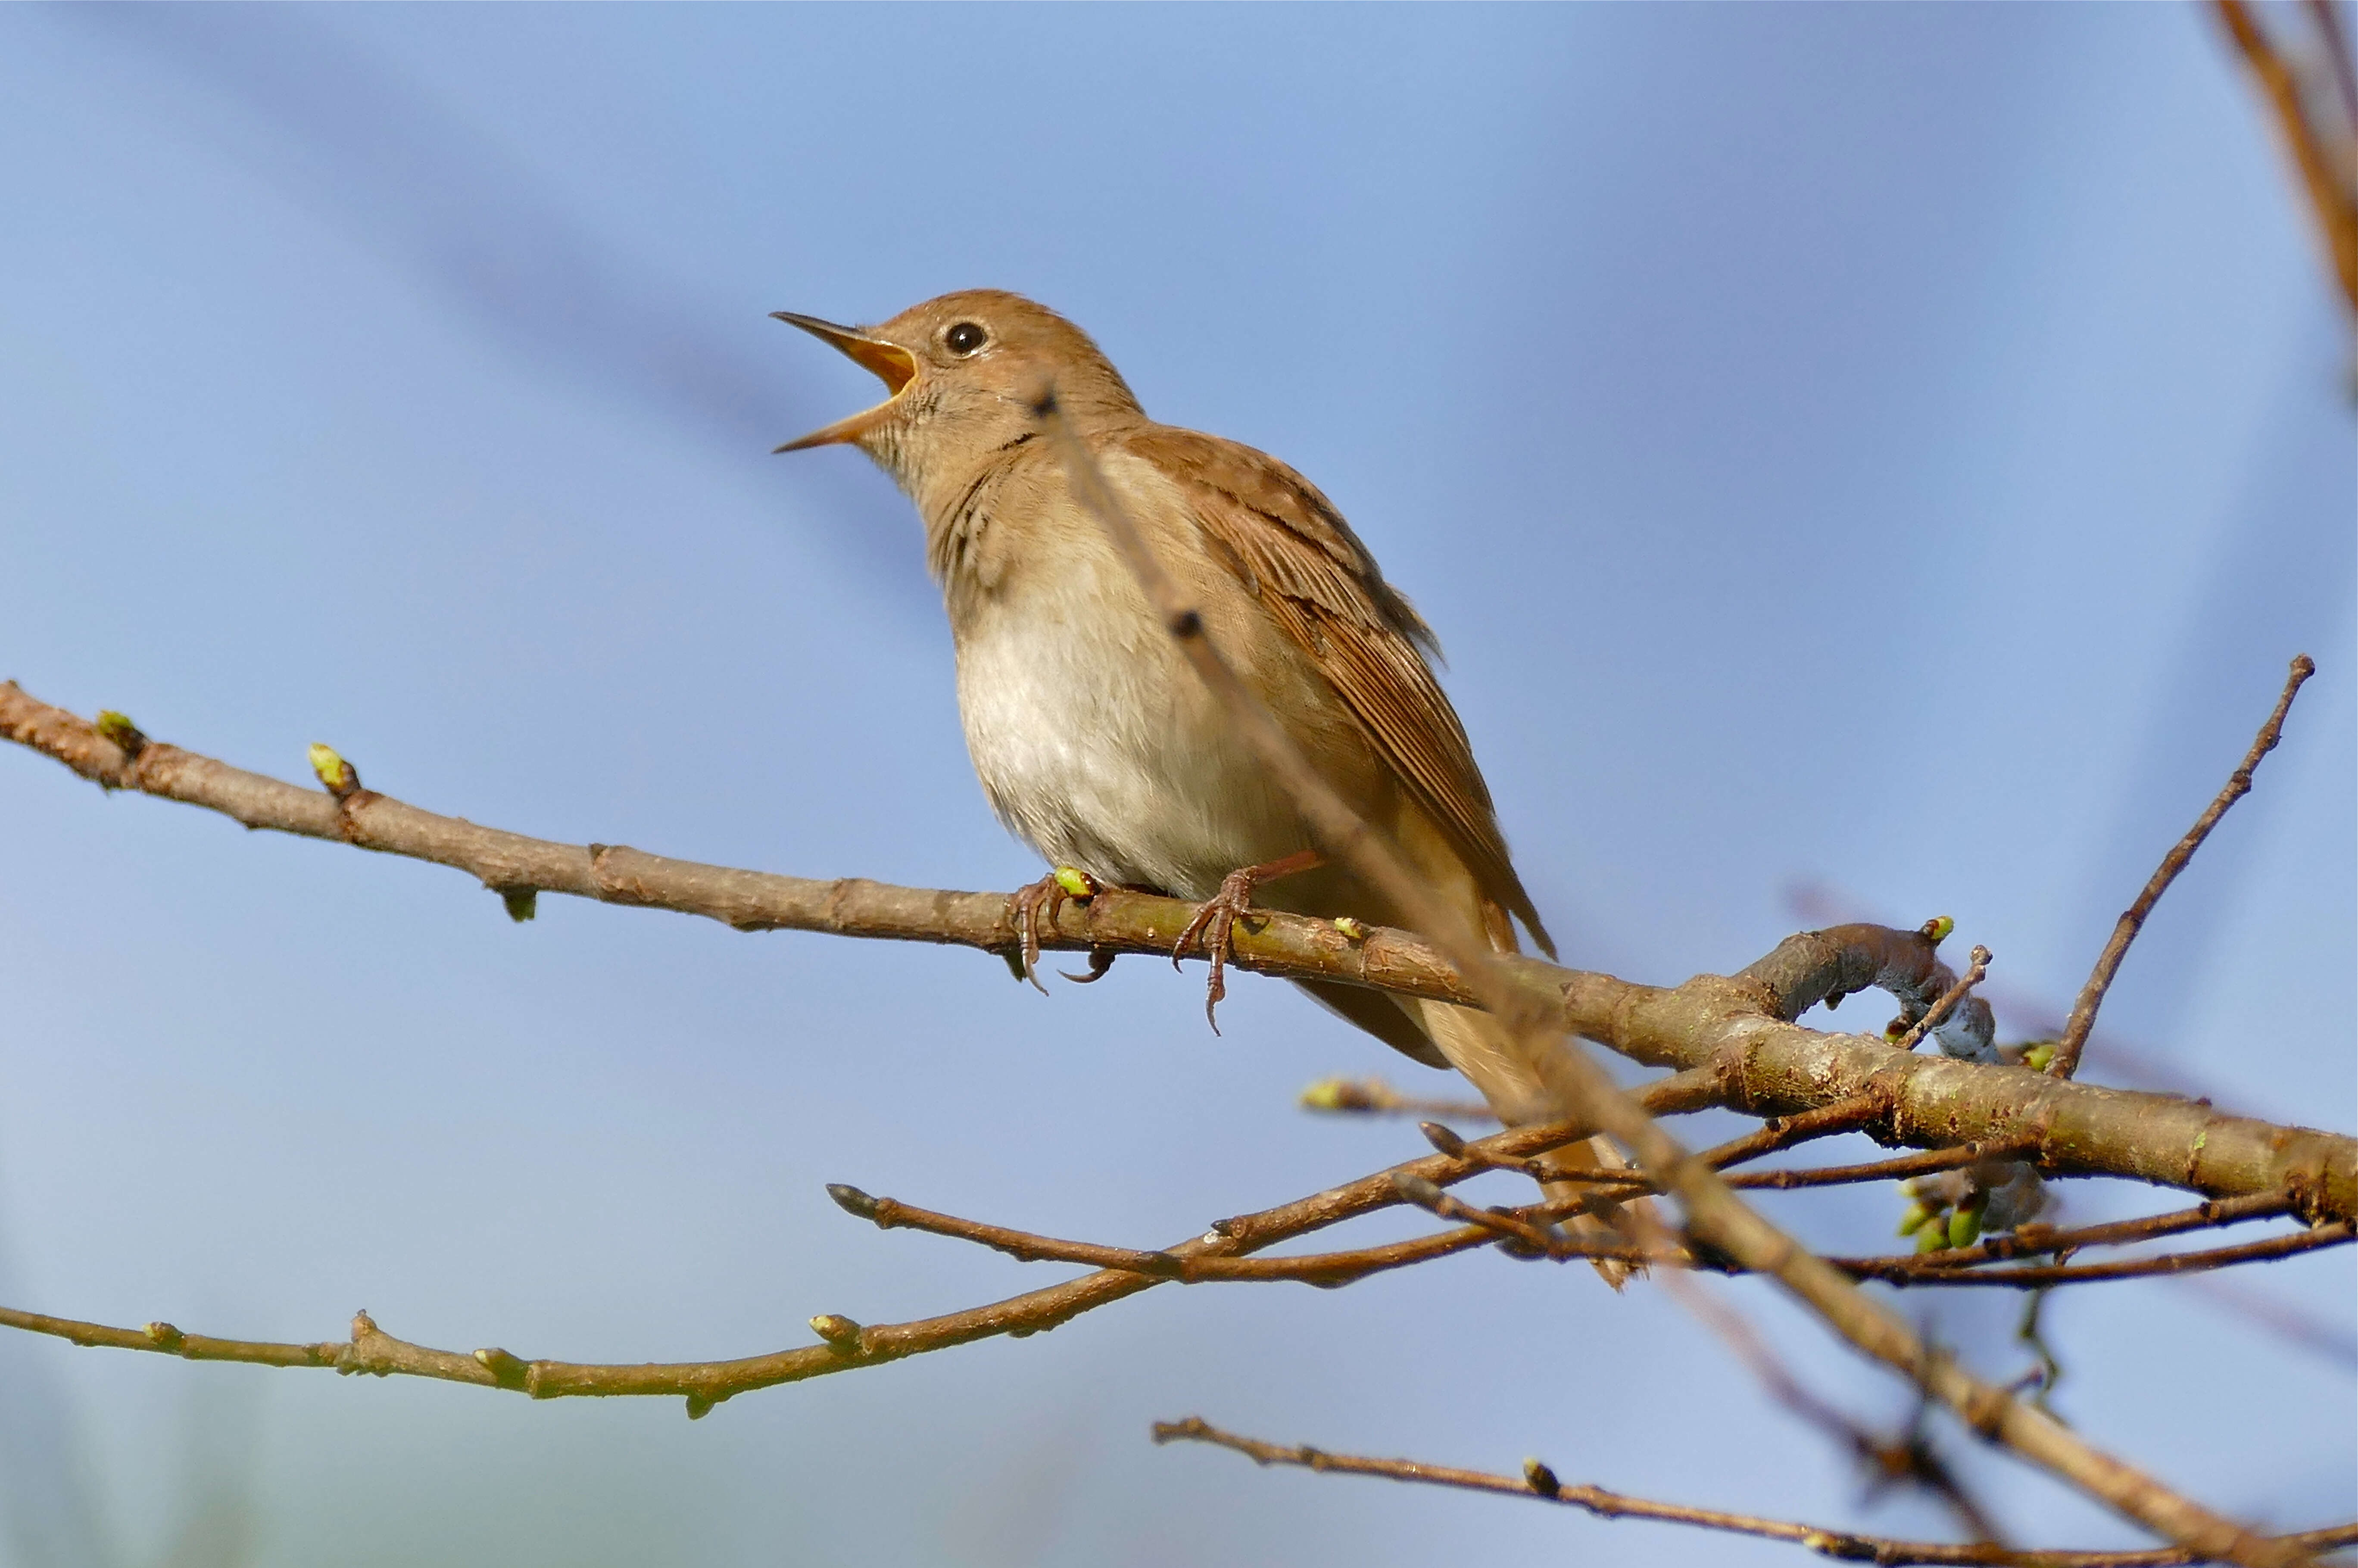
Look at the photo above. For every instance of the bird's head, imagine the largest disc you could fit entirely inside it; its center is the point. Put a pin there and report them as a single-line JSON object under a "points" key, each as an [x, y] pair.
{"points": [[963, 376]]}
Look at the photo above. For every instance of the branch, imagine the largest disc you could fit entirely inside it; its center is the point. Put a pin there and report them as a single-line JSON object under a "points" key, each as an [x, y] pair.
{"points": [[1739, 1030], [1940, 1012], [1539, 1484], [2132, 920]]}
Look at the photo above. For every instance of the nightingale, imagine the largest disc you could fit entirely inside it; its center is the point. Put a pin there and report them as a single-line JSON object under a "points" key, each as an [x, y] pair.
{"points": [[1095, 741]]}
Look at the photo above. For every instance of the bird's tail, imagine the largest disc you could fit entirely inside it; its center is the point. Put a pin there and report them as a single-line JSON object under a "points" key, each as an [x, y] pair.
{"points": [[1480, 1048]]}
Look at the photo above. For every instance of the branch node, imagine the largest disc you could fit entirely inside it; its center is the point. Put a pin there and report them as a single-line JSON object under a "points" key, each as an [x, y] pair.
{"points": [[840, 1331], [128, 737], [509, 1371], [338, 777]]}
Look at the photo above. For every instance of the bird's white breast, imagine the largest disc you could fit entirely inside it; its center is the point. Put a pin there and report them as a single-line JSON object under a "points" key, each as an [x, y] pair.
{"points": [[1095, 741]]}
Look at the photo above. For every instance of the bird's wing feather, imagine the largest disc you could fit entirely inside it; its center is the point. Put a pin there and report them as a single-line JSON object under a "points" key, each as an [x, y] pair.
{"points": [[1290, 548]]}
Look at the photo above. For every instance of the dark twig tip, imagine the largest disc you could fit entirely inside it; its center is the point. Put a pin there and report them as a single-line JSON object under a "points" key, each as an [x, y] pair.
{"points": [[1442, 1139], [1417, 1190], [852, 1200]]}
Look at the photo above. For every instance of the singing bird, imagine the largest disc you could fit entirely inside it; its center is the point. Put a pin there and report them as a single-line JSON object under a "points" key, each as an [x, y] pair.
{"points": [[1095, 741]]}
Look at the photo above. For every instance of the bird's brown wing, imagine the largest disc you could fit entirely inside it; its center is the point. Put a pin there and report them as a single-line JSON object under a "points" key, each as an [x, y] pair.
{"points": [[1291, 548]]}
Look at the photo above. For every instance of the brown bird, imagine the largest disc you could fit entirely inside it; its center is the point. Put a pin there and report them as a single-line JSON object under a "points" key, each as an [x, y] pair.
{"points": [[1095, 741]]}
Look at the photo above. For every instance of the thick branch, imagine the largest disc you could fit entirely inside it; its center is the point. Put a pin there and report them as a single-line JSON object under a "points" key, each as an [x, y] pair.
{"points": [[1539, 1484], [1738, 1029]]}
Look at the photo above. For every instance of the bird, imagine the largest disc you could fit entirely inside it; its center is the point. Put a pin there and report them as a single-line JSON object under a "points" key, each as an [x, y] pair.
{"points": [[1098, 744]]}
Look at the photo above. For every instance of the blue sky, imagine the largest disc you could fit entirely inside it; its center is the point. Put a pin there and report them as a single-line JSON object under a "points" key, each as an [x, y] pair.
{"points": [[1886, 450]]}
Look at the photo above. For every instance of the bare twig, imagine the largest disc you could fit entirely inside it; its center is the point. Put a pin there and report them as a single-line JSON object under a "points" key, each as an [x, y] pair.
{"points": [[1975, 973], [2132, 920], [1910, 1271], [1784, 1131], [1341, 1267], [1539, 1484], [2044, 1240], [847, 1344], [1714, 1214], [1732, 1031], [1374, 1097]]}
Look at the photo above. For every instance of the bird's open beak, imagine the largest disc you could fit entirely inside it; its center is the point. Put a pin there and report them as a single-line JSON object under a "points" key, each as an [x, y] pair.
{"points": [[893, 365]]}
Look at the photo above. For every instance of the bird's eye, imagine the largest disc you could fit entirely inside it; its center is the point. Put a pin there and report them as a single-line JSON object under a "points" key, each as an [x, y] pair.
{"points": [[964, 338]]}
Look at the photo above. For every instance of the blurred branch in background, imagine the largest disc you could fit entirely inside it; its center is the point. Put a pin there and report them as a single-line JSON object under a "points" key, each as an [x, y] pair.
{"points": [[2300, 60]]}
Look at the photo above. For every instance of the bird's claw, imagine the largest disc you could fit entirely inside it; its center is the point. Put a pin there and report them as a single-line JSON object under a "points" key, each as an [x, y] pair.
{"points": [[1038, 904], [1100, 960], [1215, 926], [1216, 921]]}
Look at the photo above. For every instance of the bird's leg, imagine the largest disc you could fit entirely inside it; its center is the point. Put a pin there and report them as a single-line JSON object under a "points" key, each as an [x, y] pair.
{"points": [[1031, 906], [1215, 922]]}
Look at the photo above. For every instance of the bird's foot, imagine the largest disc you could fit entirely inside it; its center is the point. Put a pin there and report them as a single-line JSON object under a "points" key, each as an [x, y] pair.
{"points": [[1215, 923], [1035, 906]]}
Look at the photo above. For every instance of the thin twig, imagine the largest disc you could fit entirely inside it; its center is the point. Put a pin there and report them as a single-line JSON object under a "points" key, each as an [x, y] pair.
{"points": [[1976, 971], [2045, 1240], [1880, 1170], [1714, 1213], [1780, 1133], [1539, 1484], [1909, 1271], [1374, 1097], [1329, 1270], [847, 1344], [2132, 920]]}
